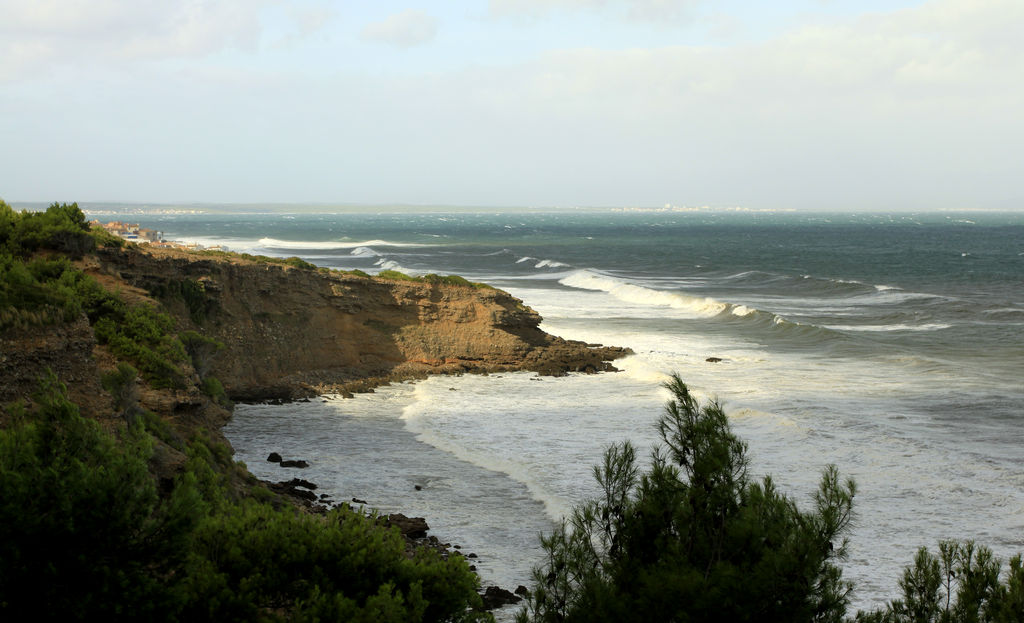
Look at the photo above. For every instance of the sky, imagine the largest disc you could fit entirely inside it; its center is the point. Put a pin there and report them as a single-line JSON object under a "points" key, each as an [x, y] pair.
{"points": [[790, 104]]}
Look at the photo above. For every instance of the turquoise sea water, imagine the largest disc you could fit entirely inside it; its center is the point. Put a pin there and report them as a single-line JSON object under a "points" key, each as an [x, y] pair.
{"points": [[890, 345]]}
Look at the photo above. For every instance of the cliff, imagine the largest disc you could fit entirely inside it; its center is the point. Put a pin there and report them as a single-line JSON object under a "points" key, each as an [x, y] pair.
{"points": [[291, 331]]}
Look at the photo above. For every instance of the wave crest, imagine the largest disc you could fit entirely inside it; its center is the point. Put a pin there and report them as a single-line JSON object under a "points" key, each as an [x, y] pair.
{"points": [[326, 245], [701, 307]]}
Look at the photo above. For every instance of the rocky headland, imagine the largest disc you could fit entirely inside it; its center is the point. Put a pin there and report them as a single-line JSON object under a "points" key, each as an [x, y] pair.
{"points": [[288, 332], [291, 332]]}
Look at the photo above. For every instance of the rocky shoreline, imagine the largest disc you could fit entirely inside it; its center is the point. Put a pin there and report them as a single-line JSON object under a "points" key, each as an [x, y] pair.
{"points": [[291, 333], [414, 530]]}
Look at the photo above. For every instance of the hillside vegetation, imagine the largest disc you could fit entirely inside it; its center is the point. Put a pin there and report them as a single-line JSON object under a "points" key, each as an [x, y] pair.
{"points": [[89, 532]]}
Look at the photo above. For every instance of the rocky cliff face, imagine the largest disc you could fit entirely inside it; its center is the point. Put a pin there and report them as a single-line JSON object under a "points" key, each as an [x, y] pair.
{"points": [[290, 332]]}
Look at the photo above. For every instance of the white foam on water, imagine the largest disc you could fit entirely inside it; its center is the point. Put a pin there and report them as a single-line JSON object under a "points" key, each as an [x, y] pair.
{"points": [[550, 264], [363, 252], [935, 326], [701, 307], [386, 264], [274, 243]]}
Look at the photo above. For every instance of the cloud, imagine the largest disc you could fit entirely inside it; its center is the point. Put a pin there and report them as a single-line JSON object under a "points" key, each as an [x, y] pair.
{"points": [[40, 34], [911, 109], [540, 7], [405, 30], [640, 10]]}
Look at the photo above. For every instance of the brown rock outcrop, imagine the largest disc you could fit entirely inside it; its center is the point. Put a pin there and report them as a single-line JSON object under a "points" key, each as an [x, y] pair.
{"points": [[292, 332]]}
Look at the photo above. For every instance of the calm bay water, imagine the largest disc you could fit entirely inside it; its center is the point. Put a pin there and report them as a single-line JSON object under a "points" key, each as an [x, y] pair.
{"points": [[890, 345]]}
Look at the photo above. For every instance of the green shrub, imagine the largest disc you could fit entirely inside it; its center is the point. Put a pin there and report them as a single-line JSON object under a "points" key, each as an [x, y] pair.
{"points": [[298, 262], [394, 275], [104, 239], [62, 227], [143, 336], [253, 561], [959, 585], [83, 534], [215, 390], [694, 538]]}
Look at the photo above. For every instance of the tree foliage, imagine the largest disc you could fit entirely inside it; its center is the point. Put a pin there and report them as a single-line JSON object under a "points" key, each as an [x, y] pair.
{"points": [[84, 535], [62, 227], [959, 585], [693, 538]]}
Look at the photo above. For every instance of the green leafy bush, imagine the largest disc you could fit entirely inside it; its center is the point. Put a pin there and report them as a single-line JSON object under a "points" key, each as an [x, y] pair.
{"points": [[62, 227], [189, 291], [143, 335], [83, 533], [395, 275], [298, 262], [85, 536], [253, 561]]}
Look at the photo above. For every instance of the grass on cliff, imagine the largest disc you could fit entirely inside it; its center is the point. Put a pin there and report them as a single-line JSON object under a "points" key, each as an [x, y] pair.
{"points": [[451, 280], [39, 286], [85, 535]]}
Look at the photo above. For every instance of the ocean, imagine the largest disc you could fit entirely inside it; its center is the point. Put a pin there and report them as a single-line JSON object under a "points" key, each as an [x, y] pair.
{"points": [[890, 345]]}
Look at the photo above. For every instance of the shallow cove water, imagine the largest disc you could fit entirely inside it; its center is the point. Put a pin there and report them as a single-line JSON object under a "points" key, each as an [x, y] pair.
{"points": [[890, 345]]}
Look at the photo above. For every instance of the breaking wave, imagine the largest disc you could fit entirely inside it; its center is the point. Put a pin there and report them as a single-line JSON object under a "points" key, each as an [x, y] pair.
{"points": [[274, 243], [701, 307]]}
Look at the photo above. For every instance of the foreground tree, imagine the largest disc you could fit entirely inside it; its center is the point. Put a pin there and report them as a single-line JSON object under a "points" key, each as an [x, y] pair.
{"points": [[86, 536], [960, 585], [694, 538]]}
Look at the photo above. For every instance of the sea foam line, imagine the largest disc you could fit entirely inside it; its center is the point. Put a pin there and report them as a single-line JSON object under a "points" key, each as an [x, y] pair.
{"points": [[890, 327], [332, 244], [702, 307]]}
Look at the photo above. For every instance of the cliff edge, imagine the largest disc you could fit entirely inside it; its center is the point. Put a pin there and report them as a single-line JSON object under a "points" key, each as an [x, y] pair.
{"points": [[293, 331]]}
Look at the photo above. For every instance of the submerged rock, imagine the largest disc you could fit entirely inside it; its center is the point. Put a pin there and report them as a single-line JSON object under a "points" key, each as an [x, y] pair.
{"points": [[496, 597]]}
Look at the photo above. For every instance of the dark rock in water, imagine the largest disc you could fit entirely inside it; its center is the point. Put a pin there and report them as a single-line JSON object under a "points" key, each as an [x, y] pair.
{"points": [[274, 457], [472, 555], [302, 493], [410, 527], [358, 501], [522, 591], [418, 487], [496, 597], [291, 489], [299, 464], [713, 359], [299, 482]]}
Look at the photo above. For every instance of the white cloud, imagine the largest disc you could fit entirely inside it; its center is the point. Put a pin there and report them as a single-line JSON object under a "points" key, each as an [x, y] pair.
{"points": [[641, 10], [406, 29], [540, 7], [918, 108], [34, 35]]}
